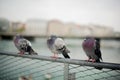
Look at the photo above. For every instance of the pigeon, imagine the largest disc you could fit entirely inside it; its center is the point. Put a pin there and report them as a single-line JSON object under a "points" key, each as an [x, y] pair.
{"points": [[23, 45], [91, 46], [57, 46]]}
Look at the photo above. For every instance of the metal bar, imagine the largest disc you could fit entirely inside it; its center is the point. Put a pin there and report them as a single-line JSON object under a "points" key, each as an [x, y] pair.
{"points": [[107, 65], [66, 71]]}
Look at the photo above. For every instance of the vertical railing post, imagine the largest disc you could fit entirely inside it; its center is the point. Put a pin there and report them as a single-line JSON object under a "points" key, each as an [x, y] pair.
{"points": [[66, 71], [71, 76]]}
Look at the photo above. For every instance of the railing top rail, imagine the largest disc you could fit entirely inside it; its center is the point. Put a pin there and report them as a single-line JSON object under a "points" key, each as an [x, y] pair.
{"points": [[114, 66]]}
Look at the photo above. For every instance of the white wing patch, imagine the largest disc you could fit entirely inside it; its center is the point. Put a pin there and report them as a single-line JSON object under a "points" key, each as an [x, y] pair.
{"points": [[29, 43], [59, 43]]}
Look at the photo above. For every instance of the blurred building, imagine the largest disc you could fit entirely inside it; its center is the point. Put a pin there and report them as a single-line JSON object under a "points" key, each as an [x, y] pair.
{"points": [[79, 30], [101, 31], [17, 27], [74, 30], [4, 25], [67, 29], [57, 28], [36, 27]]}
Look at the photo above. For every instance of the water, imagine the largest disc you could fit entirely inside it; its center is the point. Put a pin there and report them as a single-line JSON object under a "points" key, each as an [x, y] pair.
{"points": [[110, 48]]}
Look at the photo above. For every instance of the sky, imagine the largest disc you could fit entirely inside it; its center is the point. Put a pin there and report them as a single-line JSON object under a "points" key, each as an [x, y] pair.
{"points": [[101, 12]]}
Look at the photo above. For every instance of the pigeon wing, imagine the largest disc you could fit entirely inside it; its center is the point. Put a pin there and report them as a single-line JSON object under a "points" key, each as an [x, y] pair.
{"points": [[59, 43], [97, 50], [23, 43]]}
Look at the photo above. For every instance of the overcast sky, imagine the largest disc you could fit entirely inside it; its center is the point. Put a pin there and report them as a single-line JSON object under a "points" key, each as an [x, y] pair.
{"points": [[103, 12]]}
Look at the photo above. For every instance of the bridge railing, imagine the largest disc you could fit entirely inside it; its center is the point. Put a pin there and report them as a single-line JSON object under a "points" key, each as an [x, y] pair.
{"points": [[14, 66]]}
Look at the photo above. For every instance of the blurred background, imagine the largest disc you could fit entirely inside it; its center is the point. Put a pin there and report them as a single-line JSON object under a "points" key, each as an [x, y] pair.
{"points": [[71, 19]]}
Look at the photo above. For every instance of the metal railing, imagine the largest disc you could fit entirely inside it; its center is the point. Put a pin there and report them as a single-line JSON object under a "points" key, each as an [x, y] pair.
{"points": [[13, 66]]}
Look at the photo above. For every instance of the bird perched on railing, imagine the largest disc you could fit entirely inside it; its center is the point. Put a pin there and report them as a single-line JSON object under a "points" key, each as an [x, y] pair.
{"points": [[57, 46], [23, 45], [91, 46]]}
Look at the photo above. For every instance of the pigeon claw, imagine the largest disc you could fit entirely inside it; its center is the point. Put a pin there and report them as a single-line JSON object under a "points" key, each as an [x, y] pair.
{"points": [[93, 60], [88, 60], [21, 53], [54, 57]]}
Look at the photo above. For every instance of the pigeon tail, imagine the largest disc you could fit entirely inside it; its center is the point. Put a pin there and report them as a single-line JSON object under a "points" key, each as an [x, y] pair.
{"points": [[31, 51], [65, 52], [99, 68]]}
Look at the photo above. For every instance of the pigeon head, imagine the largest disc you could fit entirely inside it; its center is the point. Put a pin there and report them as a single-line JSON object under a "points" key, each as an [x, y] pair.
{"points": [[53, 37], [89, 37], [18, 36]]}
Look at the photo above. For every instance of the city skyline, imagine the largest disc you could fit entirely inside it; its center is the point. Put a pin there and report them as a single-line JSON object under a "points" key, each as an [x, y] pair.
{"points": [[102, 12]]}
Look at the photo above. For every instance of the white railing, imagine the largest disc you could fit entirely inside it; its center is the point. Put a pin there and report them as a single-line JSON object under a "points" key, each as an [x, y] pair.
{"points": [[71, 69]]}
